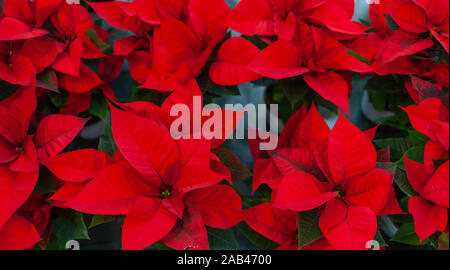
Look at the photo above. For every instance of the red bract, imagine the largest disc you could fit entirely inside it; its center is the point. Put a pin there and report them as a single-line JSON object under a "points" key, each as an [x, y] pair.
{"points": [[27, 226], [76, 169], [18, 233], [431, 118], [277, 225], [430, 207], [417, 16]]}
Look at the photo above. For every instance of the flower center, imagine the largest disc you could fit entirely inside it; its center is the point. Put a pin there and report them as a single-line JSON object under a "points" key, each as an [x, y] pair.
{"points": [[166, 191], [337, 189], [19, 149]]}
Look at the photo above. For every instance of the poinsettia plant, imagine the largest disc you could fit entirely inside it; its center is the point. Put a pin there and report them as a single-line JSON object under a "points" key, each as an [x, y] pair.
{"points": [[93, 96]]}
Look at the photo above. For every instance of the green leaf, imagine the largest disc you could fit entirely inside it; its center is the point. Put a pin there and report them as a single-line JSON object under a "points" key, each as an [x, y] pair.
{"points": [[385, 84], [438, 163], [48, 80], [379, 100], [256, 41], [295, 91], [308, 228], [99, 106], [99, 220], [223, 91], [398, 146], [406, 234], [417, 138], [45, 184], [68, 225], [256, 238], [221, 239], [391, 23], [59, 99], [415, 153], [7, 89], [402, 182], [106, 142], [92, 35], [160, 246], [379, 238], [141, 94], [360, 57], [237, 169]]}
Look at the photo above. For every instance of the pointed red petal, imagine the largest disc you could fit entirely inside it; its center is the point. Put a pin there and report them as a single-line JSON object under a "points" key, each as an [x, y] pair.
{"points": [[42, 53], [348, 227], [147, 223], [277, 225], [437, 188], [371, 190], [19, 71], [78, 166], [331, 87], [70, 62], [350, 151], [416, 174], [16, 189], [220, 206], [55, 132], [428, 218], [86, 81], [13, 29], [148, 147], [278, 61], [112, 12], [230, 67], [300, 191], [409, 17], [334, 18], [245, 19], [18, 9], [112, 192], [189, 233], [17, 234]]}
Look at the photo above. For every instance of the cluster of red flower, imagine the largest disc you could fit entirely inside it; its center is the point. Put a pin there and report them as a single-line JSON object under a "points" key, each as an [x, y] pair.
{"points": [[168, 189]]}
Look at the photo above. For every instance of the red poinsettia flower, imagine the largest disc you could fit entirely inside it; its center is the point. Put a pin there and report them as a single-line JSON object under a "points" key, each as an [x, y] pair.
{"points": [[330, 168], [183, 38], [165, 187], [282, 17], [420, 16], [389, 48], [430, 207], [20, 152]]}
